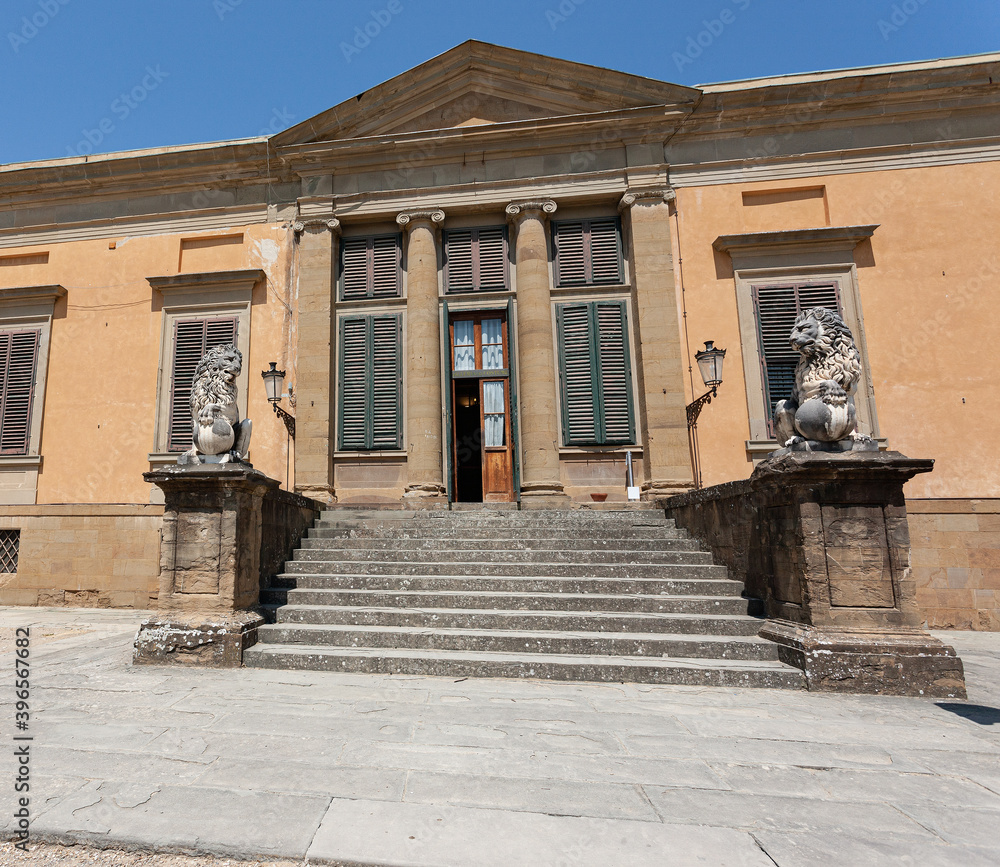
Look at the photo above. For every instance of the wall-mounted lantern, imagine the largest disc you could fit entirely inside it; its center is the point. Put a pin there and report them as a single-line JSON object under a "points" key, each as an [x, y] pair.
{"points": [[710, 366]]}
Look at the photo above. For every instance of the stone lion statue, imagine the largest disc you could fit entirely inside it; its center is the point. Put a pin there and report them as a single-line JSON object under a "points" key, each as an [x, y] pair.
{"points": [[821, 407], [219, 435]]}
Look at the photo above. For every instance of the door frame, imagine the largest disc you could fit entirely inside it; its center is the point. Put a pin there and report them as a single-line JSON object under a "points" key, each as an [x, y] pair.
{"points": [[506, 314]]}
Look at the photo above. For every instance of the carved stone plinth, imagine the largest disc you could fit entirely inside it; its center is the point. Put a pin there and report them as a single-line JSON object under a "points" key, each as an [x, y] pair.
{"points": [[904, 662], [209, 565], [822, 538]]}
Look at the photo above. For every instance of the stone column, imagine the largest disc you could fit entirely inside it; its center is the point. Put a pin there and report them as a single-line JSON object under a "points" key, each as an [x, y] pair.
{"points": [[659, 354], [424, 466], [315, 439], [539, 420]]}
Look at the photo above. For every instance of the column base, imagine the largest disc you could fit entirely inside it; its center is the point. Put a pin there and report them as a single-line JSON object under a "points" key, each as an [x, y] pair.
{"points": [[875, 662], [544, 495], [656, 488], [322, 493], [209, 640], [424, 492]]}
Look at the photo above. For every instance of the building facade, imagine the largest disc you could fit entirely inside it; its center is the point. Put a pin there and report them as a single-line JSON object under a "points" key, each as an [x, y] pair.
{"points": [[486, 280]]}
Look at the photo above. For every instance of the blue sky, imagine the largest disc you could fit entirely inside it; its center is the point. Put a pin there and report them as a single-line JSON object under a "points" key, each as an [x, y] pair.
{"points": [[83, 76]]}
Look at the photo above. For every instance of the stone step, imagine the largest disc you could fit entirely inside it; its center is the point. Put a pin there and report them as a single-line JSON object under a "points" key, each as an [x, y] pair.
{"points": [[519, 584], [471, 618], [434, 543], [523, 601], [495, 534], [484, 570], [461, 518], [580, 557], [516, 641], [467, 663]]}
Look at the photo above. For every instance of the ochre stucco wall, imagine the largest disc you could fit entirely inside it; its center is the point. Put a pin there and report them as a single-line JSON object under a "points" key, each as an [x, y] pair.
{"points": [[930, 295], [104, 358]]}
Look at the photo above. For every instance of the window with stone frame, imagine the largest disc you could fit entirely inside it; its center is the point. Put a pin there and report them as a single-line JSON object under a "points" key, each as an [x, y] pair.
{"points": [[595, 374], [588, 252], [192, 338], [475, 260], [777, 275], [776, 307], [370, 267], [18, 369]]}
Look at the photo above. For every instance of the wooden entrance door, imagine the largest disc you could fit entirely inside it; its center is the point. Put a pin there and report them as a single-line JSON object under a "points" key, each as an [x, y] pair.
{"points": [[480, 379]]}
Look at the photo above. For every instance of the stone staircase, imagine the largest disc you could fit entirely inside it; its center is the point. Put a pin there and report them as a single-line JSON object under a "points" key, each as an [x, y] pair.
{"points": [[595, 595]]}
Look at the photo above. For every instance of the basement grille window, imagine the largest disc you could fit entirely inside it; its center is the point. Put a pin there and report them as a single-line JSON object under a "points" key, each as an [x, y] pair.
{"points": [[10, 542]]}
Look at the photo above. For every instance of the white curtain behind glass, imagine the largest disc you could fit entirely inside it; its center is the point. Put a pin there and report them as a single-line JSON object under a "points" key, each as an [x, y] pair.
{"points": [[492, 344], [465, 345], [493, 414]]}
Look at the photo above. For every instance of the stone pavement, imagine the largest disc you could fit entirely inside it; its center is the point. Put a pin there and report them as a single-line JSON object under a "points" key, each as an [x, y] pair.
{"points": [[378, 769]]}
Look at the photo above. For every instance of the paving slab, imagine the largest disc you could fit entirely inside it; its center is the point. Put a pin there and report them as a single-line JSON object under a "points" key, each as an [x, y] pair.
{"points": [[418, 835], [392, 770]]}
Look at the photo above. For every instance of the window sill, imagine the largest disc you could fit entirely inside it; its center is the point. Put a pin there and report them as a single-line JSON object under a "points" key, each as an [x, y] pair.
{"points": [[600, 450], [372, 455], [590, 288], [18, 461], [758, 449]]}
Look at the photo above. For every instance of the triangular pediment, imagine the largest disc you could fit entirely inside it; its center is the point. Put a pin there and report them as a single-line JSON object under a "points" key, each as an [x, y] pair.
{"points": [[477, 84]]}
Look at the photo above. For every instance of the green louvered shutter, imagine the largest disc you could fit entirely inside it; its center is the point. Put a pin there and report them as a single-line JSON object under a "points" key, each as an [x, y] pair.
{"points": [[386, 383], [615, 405], [776, 308], [595, 374], [370, 383], [578, 377]]}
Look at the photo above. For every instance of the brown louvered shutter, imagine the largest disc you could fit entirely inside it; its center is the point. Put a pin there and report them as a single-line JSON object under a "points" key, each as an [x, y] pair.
{"points": [[369, 267], [459, 271], [570, 256], [385, 280], [354, 268], [492, 258], [192, 339], [776, 308], [370, 377], [19, 361], [615, 373], [588, 253], [476, 259], [605, 252]]}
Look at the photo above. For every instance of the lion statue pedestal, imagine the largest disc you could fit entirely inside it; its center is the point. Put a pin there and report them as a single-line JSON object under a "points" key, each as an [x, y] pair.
{"points": [[820, 414]]}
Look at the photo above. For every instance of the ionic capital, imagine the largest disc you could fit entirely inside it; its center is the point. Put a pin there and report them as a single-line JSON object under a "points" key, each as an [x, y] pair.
{"points": [[316, 226], [646, 197], [412, 219], [518, 211]]}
